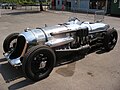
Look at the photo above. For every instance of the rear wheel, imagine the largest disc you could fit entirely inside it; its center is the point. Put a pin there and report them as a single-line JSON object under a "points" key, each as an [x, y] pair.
{"points": [[110, 39], [10, 42], [38, 62]]}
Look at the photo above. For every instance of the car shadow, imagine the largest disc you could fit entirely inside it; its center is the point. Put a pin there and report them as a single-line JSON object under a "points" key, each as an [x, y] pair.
{"points": [[70, 61], [97, 50], [20, 84], [21, 12], [67, 58], [10, 73], [2, 59], [70, 57]]}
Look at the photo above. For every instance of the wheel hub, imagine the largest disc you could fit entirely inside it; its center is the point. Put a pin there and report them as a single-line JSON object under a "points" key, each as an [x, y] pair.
{"points": [[42, 64], [114, 40]]}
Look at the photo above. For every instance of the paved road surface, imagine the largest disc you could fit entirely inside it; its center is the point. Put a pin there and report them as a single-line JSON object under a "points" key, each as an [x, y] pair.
{"points": [[94, 72]]}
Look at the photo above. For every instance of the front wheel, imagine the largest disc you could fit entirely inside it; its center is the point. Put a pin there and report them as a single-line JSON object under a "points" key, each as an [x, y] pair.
{"points": [[110, 39], [10, 42], [38, 62]]}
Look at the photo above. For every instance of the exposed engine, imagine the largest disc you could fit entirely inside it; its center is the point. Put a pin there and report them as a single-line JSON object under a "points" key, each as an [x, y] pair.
{"points": [[70, 36]]}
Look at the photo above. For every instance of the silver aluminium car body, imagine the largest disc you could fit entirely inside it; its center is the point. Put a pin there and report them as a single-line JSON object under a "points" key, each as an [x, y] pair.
{"points": [[61, 37]]}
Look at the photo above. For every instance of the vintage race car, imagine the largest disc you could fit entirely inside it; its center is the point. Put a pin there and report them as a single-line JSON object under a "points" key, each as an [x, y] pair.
{"points": [[35, 49]]}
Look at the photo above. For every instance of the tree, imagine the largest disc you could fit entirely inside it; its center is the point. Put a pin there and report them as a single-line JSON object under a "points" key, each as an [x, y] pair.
{"points": [[41, 7], [25, 2]]}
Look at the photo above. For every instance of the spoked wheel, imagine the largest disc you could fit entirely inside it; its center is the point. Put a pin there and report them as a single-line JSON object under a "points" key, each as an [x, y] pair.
{"points": [[110, 39], [38, 62], [10, 42]]}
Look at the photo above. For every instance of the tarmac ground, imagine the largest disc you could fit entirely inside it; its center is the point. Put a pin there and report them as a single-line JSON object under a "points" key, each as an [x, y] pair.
{"points": [[96, 71]]}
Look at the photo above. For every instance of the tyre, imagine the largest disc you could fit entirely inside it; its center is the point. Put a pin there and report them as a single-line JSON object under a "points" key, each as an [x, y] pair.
{"points": [[38, 62], [10, 42], [110, 39]]}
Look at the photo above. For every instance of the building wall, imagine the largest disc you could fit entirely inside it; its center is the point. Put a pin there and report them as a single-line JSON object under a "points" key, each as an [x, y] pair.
{"points": [[59, 5], [115, 7], [84, 4], [75, 5], [81, 5]]}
